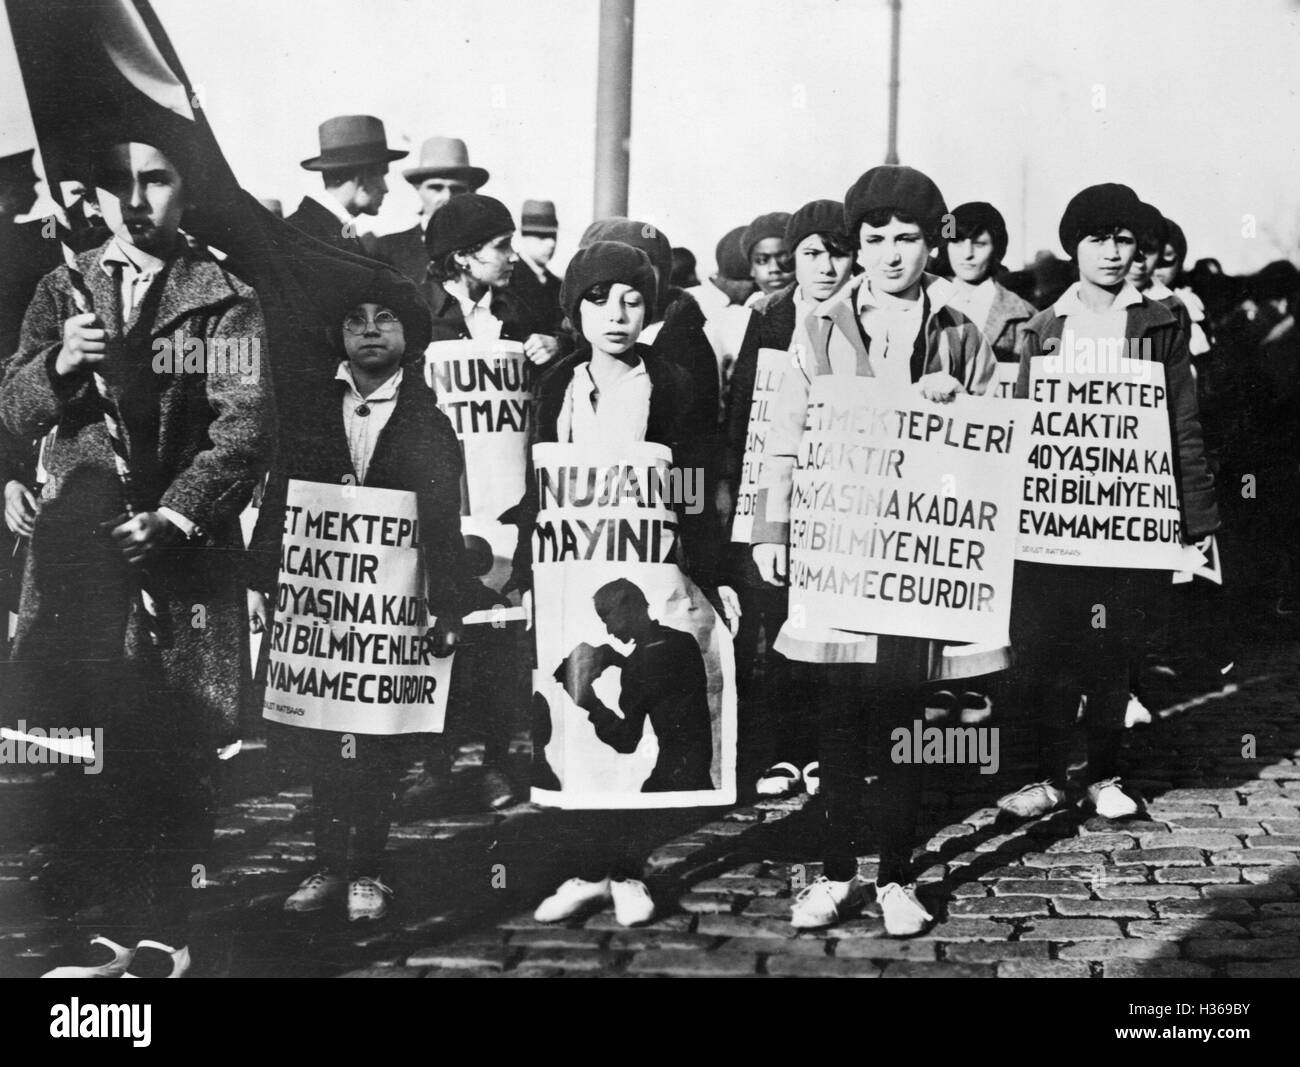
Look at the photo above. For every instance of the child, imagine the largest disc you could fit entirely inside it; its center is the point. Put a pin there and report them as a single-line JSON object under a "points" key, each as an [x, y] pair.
{"points": [[823, 261], [85, 650], [975, 255], [1063, 654], [768, 254], [892, 323], [379, 426], [613, 388]]}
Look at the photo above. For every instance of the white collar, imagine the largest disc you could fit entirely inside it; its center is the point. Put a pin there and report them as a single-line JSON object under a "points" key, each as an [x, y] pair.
{"points": [[1157, 290], [1069, 303], [460, 291], [637, 371], [333, 207], [387, 391], [128, 255], [860, 293]]}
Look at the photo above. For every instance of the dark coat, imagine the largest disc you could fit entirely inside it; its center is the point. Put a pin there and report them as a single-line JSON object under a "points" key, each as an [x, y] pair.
{"points": [[317, 222], [538, 302], [1154, 323], [669, 423], [200, 444], [406, 251], [449, 320], [417, 451]]}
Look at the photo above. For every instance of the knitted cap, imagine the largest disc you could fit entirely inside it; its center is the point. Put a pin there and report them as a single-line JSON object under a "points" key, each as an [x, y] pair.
{"points": [[606, 262], [466, 222], [1097, 208], [730, 257], [819, 216], [772, 224], [902, 189], [643, 235]]}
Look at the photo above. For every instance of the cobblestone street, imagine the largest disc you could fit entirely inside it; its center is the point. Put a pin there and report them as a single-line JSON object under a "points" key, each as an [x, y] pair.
{"points": [[1204, 886]]}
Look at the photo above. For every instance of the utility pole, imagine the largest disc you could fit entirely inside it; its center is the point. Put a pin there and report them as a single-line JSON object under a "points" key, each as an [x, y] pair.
{"points": [[613, 106], [895, 20]]}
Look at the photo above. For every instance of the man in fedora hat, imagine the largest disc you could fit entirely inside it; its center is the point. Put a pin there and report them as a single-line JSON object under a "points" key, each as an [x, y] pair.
{"points": [[536, 289], [444, 171], [354, 157]]}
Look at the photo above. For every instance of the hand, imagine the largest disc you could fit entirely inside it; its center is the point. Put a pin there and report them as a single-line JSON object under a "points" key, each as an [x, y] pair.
{"points": [[526, 602], [443, 636], [940, 387], [20, 509], [541, 349], [141, 536], [730, 607], [85, 341], [723, 501], [259, 612], [773, 563]]}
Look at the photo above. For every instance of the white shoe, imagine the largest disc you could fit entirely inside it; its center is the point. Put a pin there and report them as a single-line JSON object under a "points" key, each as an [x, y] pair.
{"points": [[1136, 714], [812, 778], [903, 913], [367, 899], [315, 892], [570, 898], [110, 968], [825, 902], [1110, 801], [1033, 800], [180, 958], [632, 901], [779, 780]]}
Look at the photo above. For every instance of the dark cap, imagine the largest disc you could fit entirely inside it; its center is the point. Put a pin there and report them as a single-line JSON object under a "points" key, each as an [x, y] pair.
{"points": [[606, 262], [772, 224], [903, 190], [977, 217], [466, 222], [1098, 208], [819, 216]]}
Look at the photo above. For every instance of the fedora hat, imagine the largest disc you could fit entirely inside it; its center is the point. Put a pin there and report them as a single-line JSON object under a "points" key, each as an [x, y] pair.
{"points": [[446, 157], [352, 141], [538, 216]]}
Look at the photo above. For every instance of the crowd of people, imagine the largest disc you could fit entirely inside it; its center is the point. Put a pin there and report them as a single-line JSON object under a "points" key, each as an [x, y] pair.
{"points": [[124, 490]]}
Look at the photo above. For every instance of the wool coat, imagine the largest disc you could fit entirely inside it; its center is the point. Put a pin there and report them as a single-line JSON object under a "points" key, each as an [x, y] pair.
{"points": [[200, 441], [1005, 328], [406, 251]]}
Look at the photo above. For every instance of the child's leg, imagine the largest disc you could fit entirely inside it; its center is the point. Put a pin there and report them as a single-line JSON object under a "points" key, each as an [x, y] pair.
{"points": [[843, 754], [896, 797], [330, 791]]}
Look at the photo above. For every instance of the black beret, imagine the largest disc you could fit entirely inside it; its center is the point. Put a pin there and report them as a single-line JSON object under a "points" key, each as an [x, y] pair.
{"points": [[466, 222], [402, 297], [902, 189], [819, 216], [604, 263], [1174, 235], [977, 217], [772, 224], [1098, 208], [730, 257]]}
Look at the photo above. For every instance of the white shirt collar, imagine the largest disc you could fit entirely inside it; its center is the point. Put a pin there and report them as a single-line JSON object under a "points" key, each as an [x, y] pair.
{"points": [[118, 252], [458, 290], [332, 206], [1157, 290], [938, 289], [387, 391], [1070, 304]]}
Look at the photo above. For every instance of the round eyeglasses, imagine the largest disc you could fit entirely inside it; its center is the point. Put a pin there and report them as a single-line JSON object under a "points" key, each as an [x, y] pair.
{"points": [[384, 320]]}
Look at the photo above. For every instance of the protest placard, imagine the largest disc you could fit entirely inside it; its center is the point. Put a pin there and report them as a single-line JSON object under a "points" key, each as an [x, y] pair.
{"points": [[1003, 386], [903, 514], [772, 364], [1099, 489], [635, 690], [349, 650], [483, 387]]}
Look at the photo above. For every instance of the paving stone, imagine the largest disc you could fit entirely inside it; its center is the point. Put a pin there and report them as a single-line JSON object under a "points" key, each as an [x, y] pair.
{"points": [[1161, 857], [1006, 907], [768, 907], [743, 926], [1269, 927], [1030, 887], [1288, 907], [1278, 969], [1288, 841], [1178, 929], [1205, 840], [750, 887], [1281, 826], [722, 828], [1066, 859], [483, 954], [384, 972], [607, 920], [1102, 909], [968, 890], [1154, 969], [994, 951], [558, 937], [1105, 842], [1222, 908], [1042, 969], [1271, 875], [707, 903], [1273, 857], [885, 948], [1223, 823], [807, 967], [960, 929], [1145, 892], [693, 964], [1009, 871], [804, 945], [910, 969], [1095, 875], [1197, 875], [566, 959], [1098, 825], [1253, 948], [1272, 891], [1070, 930], [1129, 948], [1200, 796], [635, 940]]}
